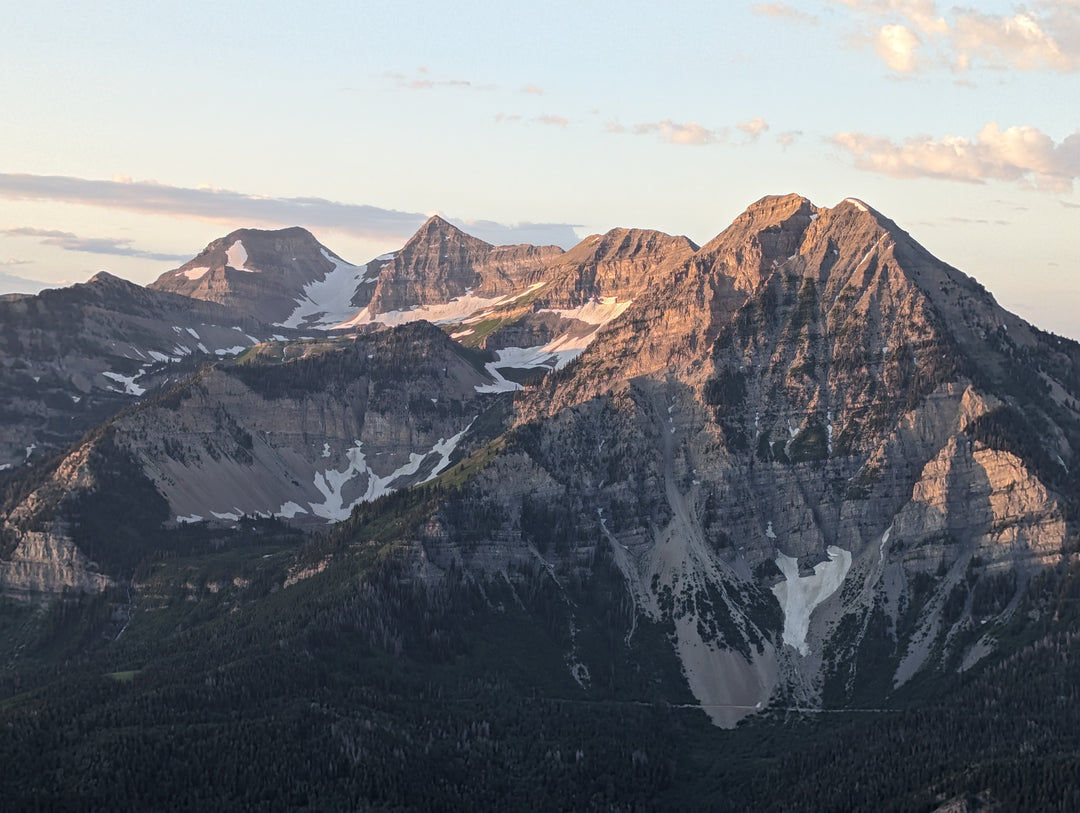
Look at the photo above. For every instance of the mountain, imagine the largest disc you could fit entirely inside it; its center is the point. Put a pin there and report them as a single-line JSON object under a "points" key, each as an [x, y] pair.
{"points": [[70, 357], [817, 402], [804, 468], [260, 273]]}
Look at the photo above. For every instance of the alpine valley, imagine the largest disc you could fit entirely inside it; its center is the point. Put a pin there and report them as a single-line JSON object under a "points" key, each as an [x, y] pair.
{"points": [[785, 521]]}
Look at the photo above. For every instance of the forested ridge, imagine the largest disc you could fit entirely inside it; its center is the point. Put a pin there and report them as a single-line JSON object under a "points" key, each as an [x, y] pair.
{"points": [[209, 683]]}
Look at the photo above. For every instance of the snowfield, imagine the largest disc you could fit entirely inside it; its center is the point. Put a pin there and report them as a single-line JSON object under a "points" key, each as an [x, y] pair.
{"points": [[799, 595], [458, 309], [325, 303], [594, 312]]}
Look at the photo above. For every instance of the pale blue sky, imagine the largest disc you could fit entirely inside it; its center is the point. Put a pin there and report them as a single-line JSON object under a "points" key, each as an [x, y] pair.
{"points": [[131, 134]]}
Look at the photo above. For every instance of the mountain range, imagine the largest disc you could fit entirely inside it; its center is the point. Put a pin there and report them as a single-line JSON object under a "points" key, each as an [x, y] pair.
{"points": [[804, 467]]}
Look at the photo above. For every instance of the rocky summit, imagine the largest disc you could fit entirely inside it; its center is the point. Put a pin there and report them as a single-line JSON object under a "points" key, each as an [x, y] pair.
{"points": [[805, 467]]}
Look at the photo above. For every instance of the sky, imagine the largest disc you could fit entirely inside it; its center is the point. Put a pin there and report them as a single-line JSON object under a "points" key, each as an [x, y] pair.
{"points": [[132, 134]]}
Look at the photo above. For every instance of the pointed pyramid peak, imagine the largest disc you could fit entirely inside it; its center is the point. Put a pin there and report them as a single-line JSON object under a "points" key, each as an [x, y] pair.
{"points": [[437, 229], [105, 278]]}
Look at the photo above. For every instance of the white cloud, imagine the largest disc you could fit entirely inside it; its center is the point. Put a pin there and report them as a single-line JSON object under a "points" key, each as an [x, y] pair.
{"points": [[557, 121], [1023, 155], [898, 47], [1042, 36], [753, 128], [1023, 41]]}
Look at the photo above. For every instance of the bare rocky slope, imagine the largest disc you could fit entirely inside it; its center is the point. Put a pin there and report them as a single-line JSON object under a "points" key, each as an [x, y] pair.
{"points": [[821, 460], [71, 357]]}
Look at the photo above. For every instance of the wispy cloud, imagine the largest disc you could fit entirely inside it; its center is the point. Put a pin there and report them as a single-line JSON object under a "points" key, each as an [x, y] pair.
{"points": [[978, 221], [89, 245], [789, 137], [1023, 155], [13, 261], [535, 90], [548, 118], [423, 80], [10, 284], [782, 11], [914, 35], [235, 209], [673, 132]]}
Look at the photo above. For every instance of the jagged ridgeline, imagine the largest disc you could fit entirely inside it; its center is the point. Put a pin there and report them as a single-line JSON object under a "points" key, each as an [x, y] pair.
{"points": [[514, 526]]}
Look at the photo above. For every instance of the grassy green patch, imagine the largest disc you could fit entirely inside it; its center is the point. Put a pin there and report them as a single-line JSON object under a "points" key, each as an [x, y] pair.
{"points": [[126, 676]]}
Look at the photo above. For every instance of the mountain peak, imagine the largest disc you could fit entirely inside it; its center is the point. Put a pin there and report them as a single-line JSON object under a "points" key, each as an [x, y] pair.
{"points": [[437, 229], [773, 225], [257, 270], [105, 278], [779, 208]]}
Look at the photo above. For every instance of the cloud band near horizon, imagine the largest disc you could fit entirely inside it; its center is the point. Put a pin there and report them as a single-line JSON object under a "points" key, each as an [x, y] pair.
{"points": [[240, 209]]}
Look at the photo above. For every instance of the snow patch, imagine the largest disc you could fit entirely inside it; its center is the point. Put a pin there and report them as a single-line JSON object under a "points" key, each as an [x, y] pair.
{"points": [[130, 387], [799, 595], [858, 204], [554, 355], [769, 532], [236, 257], [193, 274], [594, 312], [194, 335], [235, 350], [331, 482], [184, 520], [5, 466], [290, 510], [870, 253]]}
